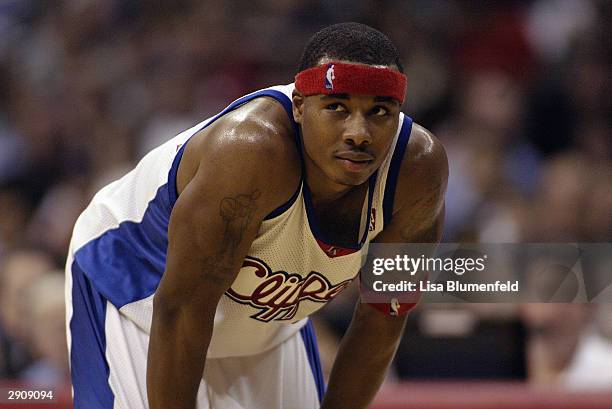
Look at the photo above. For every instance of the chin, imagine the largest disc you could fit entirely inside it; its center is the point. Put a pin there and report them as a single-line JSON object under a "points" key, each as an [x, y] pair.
{"points": [[351, 179], [350, 174]]}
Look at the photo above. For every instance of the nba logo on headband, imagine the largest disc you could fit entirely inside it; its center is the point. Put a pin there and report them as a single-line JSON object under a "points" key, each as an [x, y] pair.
{"points": [[352, 78], [330, 77]]}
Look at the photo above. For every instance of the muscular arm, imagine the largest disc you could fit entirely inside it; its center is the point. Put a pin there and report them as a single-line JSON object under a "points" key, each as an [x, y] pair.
{"points": [[369, 345], [234, 186]]}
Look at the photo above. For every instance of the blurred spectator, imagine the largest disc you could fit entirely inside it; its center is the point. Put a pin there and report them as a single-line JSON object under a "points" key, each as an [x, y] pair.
{"points": [[557, 208], [55, 216], [20, 270], [554, 333], [552, 25], [46, 316], [590, 366]]}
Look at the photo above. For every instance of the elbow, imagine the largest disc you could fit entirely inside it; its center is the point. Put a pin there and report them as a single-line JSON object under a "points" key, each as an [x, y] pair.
{"points": [[164, 308], [174, 309]]}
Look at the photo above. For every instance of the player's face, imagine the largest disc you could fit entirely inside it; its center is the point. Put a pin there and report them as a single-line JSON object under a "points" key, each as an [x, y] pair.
{"points": [[346, 137]]}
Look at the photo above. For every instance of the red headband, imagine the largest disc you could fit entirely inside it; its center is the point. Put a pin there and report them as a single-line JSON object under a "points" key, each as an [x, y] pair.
{"points": [[344, 78]]}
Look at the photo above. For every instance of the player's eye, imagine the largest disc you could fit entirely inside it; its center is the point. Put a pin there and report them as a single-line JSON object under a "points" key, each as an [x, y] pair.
{"points": [[336, 107], [379, 111]]}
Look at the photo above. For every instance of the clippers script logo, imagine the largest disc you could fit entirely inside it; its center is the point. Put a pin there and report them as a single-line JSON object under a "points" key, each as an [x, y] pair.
{"points": [[330, 77], [277, 294]]}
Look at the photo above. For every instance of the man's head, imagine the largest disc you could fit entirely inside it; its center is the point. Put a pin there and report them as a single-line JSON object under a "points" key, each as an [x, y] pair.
{"points": [[350, 42], [347, 101]]}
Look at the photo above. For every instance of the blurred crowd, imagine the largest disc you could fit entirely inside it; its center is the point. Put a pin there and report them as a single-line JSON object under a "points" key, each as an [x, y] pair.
{"points": [[518, 91]]}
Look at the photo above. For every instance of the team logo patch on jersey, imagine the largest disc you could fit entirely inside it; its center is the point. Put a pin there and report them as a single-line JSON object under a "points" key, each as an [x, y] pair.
{"points": [[277, 294], [394, 307], [330, 77]]}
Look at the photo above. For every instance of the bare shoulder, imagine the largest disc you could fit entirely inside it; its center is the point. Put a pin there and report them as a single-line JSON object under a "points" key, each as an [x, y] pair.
{"points": [[424, 149], [254, 142], [424, 169]]}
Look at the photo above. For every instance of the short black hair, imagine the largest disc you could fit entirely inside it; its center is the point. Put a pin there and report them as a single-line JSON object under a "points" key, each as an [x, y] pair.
{"points": [[353, 42]]}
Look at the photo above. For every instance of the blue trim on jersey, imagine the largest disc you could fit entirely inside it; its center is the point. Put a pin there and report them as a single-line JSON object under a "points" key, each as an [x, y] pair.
{"points": [[88, 367], [394, 167], [277, 95], [312, 221], [172, 189], [312, 350], [371, 188], [125, 264], [281, 209]]}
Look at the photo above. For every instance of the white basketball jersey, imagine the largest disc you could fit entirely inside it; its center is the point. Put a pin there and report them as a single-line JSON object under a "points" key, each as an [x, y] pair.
{"points": [[120, 242]]}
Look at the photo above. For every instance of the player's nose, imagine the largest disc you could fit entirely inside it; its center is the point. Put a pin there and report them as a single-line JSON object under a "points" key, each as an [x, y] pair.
{"points": [[356, 131]]}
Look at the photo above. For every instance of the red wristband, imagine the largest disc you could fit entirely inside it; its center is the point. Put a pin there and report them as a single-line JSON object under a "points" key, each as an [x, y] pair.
{"points": [[345, 78], [397, 304]]}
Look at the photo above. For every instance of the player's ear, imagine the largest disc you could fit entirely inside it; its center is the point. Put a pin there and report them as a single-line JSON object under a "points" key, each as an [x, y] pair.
{"points": [[298, 106]]}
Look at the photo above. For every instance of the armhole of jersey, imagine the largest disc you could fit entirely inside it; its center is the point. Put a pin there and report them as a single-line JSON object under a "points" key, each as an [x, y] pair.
{"points": [[277, 95], [285, 206], [394, 167], [172, 188], [288, 105]]}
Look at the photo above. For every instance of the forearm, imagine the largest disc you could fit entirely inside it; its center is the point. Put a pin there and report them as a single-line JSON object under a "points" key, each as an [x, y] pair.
{"points": [[365, 353], [176, 358]]}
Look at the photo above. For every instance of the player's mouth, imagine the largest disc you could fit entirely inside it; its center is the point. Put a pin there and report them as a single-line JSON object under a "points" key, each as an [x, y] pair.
{"points": [[354, 161]]}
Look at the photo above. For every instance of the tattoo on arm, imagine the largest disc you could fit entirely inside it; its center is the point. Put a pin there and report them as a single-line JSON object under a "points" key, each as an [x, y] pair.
{"points": [[216, 270], [237, 212]]}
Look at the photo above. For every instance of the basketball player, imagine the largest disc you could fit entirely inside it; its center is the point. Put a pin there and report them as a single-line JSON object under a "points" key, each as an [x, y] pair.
{"points": [[190, 280]]}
